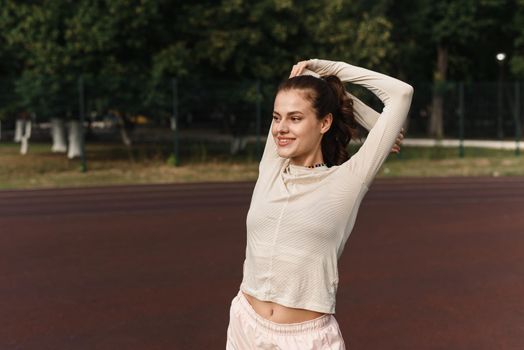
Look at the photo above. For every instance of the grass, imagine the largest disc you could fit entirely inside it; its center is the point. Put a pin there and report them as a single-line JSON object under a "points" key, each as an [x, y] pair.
{"points": [[440, 161], [111, 164]]}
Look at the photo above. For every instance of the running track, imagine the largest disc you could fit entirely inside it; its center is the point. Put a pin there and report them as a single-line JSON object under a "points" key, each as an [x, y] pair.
{"points": [[431, 264]]}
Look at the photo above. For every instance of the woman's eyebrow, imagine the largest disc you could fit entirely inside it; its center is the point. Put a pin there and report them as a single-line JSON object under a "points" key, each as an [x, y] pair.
{"points": [[289, 113]]}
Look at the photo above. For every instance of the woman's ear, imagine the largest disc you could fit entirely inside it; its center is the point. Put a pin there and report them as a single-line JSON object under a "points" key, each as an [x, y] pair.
{"points": [[326, 123]]}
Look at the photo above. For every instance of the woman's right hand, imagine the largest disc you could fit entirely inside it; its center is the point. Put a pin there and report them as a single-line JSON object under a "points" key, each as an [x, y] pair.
{"points": [[398, 142], [298, 68]]}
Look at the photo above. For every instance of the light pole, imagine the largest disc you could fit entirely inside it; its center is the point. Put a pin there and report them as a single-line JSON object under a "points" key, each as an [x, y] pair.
{"points": [[501, 56]]}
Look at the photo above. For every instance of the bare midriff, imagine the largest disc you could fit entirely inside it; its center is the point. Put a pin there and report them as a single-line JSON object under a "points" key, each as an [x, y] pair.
{"points": [[280, 313]]}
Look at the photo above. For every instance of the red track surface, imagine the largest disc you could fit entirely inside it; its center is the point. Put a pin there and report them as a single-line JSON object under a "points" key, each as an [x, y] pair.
{"points": [[431, 264]]}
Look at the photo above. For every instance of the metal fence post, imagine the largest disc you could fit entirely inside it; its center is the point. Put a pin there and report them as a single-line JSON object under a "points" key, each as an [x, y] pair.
{"points": [[82, 118], [258, 115], [500, 132], [517, 118], [461, 119], [174, 121]]}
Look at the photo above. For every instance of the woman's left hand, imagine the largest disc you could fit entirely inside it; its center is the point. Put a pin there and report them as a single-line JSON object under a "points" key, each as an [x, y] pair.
{"points": [[398, 141], [298, 68]]}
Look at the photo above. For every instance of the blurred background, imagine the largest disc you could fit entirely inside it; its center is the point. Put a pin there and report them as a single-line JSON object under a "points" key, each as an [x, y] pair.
{"points": [[152, 91], [118, 92]]}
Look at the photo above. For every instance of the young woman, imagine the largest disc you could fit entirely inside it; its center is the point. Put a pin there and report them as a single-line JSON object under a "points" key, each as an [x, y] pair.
{"points": [[305, 203]]}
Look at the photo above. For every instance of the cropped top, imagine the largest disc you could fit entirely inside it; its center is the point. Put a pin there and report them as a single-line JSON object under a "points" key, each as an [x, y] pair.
{"points": [[300, 218]]}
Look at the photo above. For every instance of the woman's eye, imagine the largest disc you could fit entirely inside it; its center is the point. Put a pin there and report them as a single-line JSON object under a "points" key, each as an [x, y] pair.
{"points": [[296, 119]]}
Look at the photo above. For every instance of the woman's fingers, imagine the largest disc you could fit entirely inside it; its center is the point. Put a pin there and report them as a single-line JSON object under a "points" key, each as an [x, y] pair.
{"points": [[303, 66], [398, 142], [400, 137], [293, 71], [396, 147], [298, 69]]}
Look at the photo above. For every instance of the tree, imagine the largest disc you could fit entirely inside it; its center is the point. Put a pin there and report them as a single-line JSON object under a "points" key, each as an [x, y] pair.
{"points": [[261, 40], [238, 40], [517, 61], [124, 50], [457, 38], [106, 43]]}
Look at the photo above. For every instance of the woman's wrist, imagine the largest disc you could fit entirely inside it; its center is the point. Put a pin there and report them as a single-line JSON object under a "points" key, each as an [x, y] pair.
{"points": [[312, 64], [325, 67]]}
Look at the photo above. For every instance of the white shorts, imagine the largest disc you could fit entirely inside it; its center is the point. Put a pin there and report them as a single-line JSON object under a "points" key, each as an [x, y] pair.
{"points": [[248, 330]]}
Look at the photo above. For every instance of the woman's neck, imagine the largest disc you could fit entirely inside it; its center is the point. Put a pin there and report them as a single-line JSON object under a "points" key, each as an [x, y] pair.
{"points": [[308, 161]]}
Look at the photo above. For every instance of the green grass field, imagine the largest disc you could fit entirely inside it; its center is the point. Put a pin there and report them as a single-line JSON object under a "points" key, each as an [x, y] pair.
{"points": [[111, 164]]}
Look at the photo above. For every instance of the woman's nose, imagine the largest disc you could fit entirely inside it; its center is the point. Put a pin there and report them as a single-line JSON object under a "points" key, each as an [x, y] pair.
{"points": [[282, 126]]}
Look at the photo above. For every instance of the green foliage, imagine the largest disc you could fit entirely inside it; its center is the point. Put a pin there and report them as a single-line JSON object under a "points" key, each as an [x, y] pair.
{"points": [[58, 42], [471, 31], [263, 39], [128, 51], [517, 61], [171, 160]]}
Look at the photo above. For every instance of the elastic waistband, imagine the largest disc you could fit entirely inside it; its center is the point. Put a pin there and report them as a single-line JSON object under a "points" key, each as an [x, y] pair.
{"points": [[283, 328]]}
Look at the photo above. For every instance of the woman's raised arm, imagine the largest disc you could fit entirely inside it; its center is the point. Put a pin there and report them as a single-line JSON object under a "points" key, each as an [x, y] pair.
{"points": [[270, 150], [364, 115], [396, 96]]}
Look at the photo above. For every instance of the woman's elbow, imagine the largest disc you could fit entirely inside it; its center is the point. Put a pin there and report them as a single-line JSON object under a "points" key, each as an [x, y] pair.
{"points": [[403, 94], [407, 90]]}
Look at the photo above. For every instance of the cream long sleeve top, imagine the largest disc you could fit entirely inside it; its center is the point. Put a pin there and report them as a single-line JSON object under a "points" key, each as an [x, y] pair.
{"points": [[300, 218]]}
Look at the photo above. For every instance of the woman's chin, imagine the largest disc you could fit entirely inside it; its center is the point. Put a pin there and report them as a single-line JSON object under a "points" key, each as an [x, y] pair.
{"points": [[284, 153]]}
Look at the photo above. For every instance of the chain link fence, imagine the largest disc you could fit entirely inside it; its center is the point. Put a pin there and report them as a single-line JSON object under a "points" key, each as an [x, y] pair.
{"points": [[192, 119], [479, 110]]}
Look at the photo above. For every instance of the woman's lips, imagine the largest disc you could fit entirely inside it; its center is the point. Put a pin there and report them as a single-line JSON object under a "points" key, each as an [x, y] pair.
{"points": [[284, 141]]}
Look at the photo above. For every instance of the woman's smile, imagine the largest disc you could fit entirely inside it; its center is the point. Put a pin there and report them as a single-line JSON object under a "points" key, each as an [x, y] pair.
{"points": [[284, 141]]}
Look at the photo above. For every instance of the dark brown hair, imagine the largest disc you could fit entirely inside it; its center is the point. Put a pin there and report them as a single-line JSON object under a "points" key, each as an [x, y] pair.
{"points": [[328, 95]]}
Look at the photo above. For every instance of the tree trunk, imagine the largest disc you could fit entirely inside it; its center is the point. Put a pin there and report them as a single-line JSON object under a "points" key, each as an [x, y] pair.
{"points": [[125, 126], [436, 128], [58, 135], [26, 135], [19, 130], [75, 139]]}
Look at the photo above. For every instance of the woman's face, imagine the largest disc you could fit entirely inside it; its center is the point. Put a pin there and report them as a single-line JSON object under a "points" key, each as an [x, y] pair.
{"points": [[296, 130]]}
